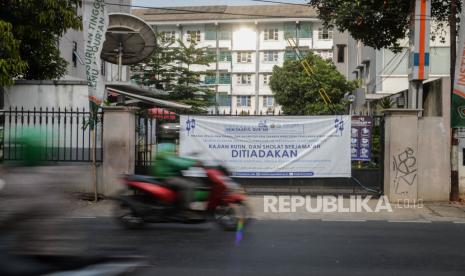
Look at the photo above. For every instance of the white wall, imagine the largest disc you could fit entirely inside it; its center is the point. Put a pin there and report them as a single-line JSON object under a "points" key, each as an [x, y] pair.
{"points": [[30, 94]]}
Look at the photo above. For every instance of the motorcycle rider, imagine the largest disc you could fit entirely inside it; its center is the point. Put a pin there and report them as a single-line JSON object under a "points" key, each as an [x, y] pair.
{"points": [[168, 167]]}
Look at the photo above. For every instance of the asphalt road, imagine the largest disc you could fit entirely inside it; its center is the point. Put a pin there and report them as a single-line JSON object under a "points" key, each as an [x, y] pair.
{"points": [[307, 247]]}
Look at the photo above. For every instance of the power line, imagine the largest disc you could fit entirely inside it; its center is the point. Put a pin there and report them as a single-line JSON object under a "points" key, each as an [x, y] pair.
{"points": [[392, 71], [191, 11], [279, 2]]}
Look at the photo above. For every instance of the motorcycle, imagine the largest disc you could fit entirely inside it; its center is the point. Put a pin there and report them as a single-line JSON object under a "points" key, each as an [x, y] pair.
{"points": [[32, 238], [216, 198]]}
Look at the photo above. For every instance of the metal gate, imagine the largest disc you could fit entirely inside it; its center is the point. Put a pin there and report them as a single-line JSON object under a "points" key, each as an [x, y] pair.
{"points": [[64, 132], [367, 176]]}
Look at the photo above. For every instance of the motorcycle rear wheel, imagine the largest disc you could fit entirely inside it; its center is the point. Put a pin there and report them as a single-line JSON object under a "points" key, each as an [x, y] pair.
{"points": [[230, 216]]}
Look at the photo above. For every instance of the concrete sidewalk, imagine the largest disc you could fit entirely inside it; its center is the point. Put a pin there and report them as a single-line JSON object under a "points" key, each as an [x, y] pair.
{"points": [[425, 212]]}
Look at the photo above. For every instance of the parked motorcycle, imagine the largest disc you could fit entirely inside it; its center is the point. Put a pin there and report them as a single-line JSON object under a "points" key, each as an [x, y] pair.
{"points": [[150, 200]]}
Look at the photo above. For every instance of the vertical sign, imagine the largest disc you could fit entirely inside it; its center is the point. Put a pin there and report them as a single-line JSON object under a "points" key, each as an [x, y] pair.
{"points": [[419, 41], [360, 141], [458, 93], [95, 25]]}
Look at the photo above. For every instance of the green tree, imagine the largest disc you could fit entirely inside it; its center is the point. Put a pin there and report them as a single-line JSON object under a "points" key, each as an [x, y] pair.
{"points": [[37, 25], [11, 64], [159, 69], [377, 23], [170, 68], [385, 103], [298, 93]]}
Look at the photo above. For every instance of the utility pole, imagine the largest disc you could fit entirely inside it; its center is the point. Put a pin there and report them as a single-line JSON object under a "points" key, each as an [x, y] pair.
{"points": [[454, 192]]}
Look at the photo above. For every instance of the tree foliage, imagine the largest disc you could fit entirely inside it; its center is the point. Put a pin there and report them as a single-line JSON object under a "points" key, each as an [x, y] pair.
{"points": [[298, 93], [11, 64], [37, 25], [171, 69], [377, 23]]}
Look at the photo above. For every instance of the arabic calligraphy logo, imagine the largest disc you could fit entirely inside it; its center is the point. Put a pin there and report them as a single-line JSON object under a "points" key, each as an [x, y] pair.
{"points": [[339, 124], [461, 110], [190, 125], [262, 124]]}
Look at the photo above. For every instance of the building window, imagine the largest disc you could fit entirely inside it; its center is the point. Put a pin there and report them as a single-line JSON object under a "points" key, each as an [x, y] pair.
{"points": [[225, 78], [244, 57], [168, 36], [290, 55], [74, 54], [271, 34], [341, 53], [270, 56], [210, 78], [243, 101], [193, 36], [268, 101], [225, 56], [224, 99], [210, 32], [289, 30], [266, 79], [225, 33], [244, 79], [102, 67], [325, 34], [305, 30]]}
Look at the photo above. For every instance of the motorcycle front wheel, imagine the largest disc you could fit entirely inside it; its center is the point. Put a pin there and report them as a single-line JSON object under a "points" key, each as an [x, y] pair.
{"points": [[127, 217], [231, 216]]}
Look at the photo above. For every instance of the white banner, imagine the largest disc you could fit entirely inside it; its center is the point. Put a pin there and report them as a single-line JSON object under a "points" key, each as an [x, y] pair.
{"points": [[279, 147], [95, 22]]}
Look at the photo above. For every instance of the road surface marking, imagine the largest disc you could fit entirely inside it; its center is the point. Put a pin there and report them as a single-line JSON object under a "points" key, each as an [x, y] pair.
{"points": [[410, 221], [344, 220]]}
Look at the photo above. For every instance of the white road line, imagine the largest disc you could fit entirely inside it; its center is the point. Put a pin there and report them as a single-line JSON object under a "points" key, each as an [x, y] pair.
{"points": [[344, 220], [459, 222], [83, 217], [410, 221]]}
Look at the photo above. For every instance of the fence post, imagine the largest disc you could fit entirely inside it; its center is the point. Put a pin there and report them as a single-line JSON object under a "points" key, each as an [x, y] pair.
{"points": [[401, 154], [118, 146]]}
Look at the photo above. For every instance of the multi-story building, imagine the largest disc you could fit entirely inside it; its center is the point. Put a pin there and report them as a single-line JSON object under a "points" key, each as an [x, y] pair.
{"points": [[383, 73], [72, 47], [248, 41]]}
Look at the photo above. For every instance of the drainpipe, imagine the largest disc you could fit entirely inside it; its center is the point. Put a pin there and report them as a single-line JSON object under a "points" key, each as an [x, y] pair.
{"points": [[257, 68], [217, 79], [231, 74]]}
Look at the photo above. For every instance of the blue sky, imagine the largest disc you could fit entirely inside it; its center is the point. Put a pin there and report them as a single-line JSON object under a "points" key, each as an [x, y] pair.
{"points": [[173, 3]]}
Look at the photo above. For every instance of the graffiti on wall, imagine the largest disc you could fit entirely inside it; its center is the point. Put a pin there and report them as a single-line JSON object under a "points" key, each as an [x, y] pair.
{"points": [[405, 168]]}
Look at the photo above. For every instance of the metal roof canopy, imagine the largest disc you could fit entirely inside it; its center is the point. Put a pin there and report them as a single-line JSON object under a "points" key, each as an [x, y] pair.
{"points": [[128, 40], [134, 92]]}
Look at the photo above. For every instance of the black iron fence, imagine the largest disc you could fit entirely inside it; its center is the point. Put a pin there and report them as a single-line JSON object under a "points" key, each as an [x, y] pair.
{"points": [[65, 133], [146, 141]]}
